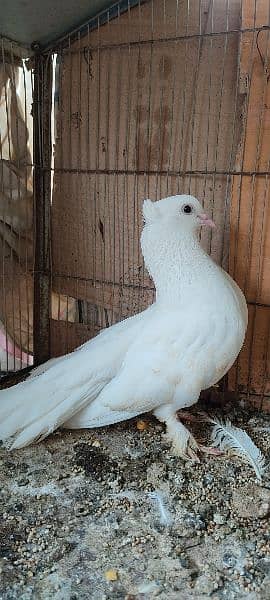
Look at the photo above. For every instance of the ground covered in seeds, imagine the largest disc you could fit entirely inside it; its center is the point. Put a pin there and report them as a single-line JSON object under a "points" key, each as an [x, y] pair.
{"points": [[112, 514]]}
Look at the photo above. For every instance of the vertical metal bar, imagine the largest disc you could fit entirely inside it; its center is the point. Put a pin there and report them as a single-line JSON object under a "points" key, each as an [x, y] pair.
{"points": [[150, 104], [134, 162], [106, 208], [189, 159], [26, 257], [172, 119], [182, 109], [161, 126], [42, 204], [58, 158], [223, 384], [124, 180], [70, 156], [3, 238], [90, 75], [219, 124], [231, 154], [208, 118], [240, 166], [150, 101], [4, 260], [79, 178]]}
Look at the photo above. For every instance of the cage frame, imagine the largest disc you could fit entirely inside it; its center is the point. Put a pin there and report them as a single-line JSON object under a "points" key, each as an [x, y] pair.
{"points": [[42, 105]]}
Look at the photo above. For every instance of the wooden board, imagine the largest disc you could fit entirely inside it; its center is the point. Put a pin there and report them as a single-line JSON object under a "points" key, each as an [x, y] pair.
{"points": [[132, 119], [250, 202]]}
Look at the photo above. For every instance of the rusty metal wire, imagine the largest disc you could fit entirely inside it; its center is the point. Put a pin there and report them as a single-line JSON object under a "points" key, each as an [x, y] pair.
{"points": [[16, 205], [138, 133], [153, 98]]}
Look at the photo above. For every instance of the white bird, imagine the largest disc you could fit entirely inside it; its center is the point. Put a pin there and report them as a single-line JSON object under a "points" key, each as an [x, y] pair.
{"points": [[158, 360]]}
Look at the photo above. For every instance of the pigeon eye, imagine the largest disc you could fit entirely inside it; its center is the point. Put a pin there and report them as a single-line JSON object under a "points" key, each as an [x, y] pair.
{"points": [[187, 209]]}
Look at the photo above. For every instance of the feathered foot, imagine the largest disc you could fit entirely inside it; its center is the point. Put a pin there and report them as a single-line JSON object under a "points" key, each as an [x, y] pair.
{"points": [[186, 446], [183, 442], [190, 450], [199, 418]]}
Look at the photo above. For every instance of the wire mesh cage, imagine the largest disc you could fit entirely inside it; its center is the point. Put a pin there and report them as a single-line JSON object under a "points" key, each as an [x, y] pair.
{"points": [[16, 221], [149, 99]]}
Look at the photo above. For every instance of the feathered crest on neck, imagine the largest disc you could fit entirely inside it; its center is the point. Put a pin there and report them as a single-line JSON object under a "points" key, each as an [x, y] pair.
{"points": [[150, 211]]}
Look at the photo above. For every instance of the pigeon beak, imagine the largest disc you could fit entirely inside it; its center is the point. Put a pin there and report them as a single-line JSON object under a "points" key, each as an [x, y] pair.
{"points": [[204, 220]]}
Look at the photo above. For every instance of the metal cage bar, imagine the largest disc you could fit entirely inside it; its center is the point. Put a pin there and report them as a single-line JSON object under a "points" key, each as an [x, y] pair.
{"points": [[16, 201], [42, 105]]}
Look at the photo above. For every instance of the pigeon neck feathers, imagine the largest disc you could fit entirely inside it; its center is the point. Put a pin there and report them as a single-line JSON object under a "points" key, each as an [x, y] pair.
{"points": [[173, 255], [175, 260]]}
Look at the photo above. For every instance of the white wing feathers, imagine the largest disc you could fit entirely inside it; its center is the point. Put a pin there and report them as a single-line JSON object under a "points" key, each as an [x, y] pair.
{"points": [[155, 368], [126, 370], [62, 387]]}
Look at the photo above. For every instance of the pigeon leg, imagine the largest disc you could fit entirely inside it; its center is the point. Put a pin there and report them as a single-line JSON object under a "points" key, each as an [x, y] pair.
{"points": [[183, 442], [198, 418]]}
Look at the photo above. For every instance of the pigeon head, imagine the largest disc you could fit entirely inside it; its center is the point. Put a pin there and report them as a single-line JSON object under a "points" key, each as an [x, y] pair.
{"points": [[170, 243], [183, 212]]}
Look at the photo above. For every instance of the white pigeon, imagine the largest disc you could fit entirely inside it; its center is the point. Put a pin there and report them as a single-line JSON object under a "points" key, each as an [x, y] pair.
{"points": [[158, 360]]}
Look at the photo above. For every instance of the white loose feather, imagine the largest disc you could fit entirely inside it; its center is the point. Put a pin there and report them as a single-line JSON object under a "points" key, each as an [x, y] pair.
{"points": [[148, 588], [161, 504], [227, 437]]}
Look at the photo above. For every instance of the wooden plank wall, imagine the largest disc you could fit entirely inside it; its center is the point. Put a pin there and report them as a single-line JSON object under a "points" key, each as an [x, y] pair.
{"points": [[250, 206], [134, 116]]}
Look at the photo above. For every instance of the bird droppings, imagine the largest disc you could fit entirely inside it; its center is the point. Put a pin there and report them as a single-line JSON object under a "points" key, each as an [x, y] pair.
{"points": [[112, 514]]}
